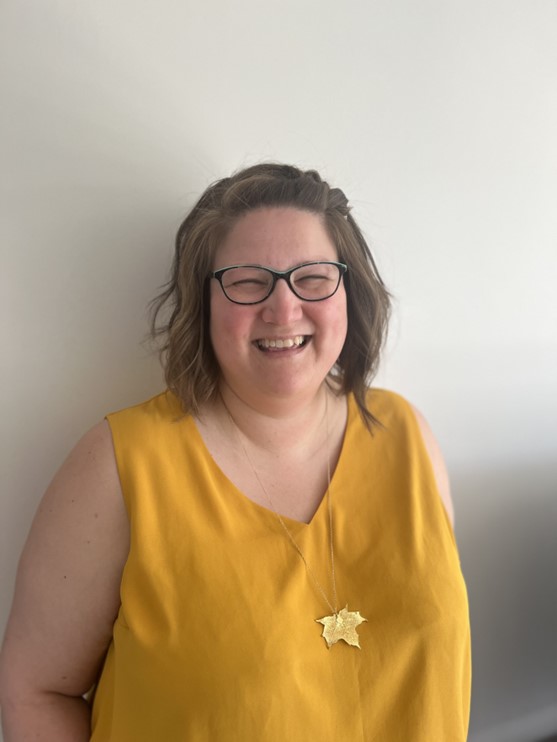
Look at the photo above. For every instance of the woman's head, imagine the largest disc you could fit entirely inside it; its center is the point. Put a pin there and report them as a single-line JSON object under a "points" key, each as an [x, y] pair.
{"points": [[190, 366]]}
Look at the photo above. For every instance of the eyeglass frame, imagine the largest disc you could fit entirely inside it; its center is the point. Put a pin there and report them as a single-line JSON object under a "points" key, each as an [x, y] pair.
{"points": [[276, 276]]}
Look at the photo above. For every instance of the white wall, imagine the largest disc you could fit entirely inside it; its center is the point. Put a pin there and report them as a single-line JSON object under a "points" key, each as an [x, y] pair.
{"points": [[438, 118]]}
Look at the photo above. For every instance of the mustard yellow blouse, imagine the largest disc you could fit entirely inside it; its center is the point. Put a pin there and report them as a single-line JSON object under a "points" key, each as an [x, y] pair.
{"points": [[217, 639]]}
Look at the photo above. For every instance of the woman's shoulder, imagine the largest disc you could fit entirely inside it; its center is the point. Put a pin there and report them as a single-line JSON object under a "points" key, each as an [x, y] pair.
{"points": [[154, 430], [392, 410], [163, 403], [387, 404], [158, 413]]}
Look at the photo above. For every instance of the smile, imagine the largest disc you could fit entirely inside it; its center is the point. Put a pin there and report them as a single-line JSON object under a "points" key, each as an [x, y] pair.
{"points": [[282, 343]]}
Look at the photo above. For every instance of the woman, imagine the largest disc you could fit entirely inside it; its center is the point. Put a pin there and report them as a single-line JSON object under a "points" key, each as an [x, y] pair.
{"points": [[264, 551]]}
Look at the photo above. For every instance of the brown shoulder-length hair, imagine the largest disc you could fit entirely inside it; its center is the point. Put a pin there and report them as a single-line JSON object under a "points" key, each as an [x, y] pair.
{"points": [[190, 366]]}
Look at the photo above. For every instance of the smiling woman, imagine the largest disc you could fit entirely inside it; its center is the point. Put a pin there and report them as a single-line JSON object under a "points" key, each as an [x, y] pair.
{"points": [[246, 336], [189, 361], [270, 552]]}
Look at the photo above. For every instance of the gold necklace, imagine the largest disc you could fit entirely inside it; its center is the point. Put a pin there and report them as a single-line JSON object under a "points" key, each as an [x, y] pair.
{"points": [[340, 624]]}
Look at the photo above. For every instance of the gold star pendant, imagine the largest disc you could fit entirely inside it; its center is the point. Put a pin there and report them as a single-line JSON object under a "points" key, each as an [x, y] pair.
{"points": [[341, 625]]}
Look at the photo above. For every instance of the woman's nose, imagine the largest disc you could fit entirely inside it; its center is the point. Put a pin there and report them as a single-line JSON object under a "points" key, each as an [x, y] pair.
{"points": [[282, 306]]}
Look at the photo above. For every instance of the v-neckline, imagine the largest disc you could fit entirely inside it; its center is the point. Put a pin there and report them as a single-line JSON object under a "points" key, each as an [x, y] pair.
{"points": [[288, 520]]}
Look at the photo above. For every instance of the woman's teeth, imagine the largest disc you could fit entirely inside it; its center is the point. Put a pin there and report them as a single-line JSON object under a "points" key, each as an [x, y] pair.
{"points": [[281, 342]]}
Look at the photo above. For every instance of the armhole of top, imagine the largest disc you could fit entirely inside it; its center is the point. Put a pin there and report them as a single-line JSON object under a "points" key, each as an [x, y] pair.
{"points": [[429, 465], [113, 427]]}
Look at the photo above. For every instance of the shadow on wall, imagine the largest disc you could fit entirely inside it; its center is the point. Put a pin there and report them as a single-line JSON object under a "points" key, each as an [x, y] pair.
{"points": [[506, 526]]}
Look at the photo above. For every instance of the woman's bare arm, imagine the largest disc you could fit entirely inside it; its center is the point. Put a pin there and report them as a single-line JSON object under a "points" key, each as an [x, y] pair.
{"points": [[66, 598]]}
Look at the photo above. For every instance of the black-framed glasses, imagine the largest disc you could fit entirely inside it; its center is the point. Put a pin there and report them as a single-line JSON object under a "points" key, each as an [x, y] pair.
{"points": [[252, 284]]}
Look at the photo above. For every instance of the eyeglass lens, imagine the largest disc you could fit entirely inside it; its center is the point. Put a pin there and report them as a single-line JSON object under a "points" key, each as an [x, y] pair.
{"points": [[312, 282]]}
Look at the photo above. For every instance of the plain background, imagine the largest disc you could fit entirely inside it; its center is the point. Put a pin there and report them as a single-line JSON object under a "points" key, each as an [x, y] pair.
{"points": [[438, 118]]}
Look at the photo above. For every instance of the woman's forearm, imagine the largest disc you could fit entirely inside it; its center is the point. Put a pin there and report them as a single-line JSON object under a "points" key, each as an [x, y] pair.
{"points": [[46, 717]]}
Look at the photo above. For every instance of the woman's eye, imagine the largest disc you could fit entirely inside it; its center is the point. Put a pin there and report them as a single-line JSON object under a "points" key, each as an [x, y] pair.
{"points": [[311, 279], [247, 282]]}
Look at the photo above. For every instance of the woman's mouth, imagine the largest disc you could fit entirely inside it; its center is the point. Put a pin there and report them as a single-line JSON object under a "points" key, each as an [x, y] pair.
{"points": [[286, 343]]}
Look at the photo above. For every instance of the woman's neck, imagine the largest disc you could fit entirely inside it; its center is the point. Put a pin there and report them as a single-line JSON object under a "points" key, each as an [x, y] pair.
{"points": [[281, 425]]}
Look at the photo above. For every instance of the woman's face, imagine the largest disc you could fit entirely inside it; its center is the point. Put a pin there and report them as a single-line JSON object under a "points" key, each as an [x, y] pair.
{"points": [[277, 238]]}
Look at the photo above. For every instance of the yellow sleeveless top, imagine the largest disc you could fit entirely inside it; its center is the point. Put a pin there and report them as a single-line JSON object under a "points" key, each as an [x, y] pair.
{"points": [[217, 639]]}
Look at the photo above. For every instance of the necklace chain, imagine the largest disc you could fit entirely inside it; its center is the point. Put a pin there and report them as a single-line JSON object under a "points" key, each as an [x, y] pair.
{"points": [[334, 605]]}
